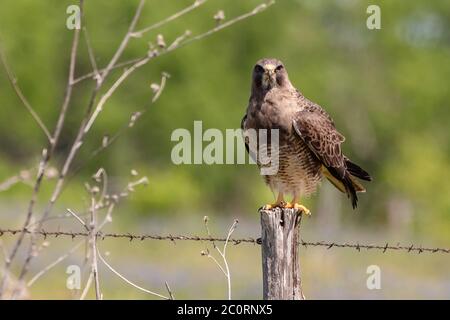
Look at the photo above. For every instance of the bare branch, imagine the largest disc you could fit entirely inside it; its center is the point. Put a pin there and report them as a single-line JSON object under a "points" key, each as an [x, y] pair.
{"points": [[117, 66], [201, 36], [86, 124], [93, 241], [125, 127], [169, 291], [78, 218], [107, 216], [111, 90], [46, 155], [230, 232], [13, 80], [124, 42], [208, 254], [3, 249], [225, 270], [128, 281], [69, 87], [55, 217], [223, 254], [176, 15], [87, 286], [24, 176], [53, 264], [101, 176], [97, 76], [161, 87], [80, 136], [255, 11]]}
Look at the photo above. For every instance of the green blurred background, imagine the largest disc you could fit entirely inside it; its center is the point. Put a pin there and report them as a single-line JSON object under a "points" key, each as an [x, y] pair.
{"points": [[387, 91]]}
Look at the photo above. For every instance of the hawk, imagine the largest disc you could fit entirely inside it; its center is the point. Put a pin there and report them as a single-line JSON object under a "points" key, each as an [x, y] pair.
{"points": [[309, 145]]}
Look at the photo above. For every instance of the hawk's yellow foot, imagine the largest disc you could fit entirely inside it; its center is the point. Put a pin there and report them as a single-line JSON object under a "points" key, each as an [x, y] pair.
{"points": [[271, 206], [278, 204], [298, 206]]}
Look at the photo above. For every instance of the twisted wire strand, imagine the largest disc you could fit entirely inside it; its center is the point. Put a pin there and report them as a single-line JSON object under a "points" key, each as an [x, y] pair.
{"points": [[249, 240]]}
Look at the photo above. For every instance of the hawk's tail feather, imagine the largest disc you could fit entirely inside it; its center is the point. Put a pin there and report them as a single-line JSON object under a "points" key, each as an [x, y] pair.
{"points": [[347, 184], [334, 181], [357, 171], [350, 189]]}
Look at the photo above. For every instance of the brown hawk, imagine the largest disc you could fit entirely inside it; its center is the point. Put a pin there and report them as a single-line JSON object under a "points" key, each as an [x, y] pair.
{"points": [[309, 146]]}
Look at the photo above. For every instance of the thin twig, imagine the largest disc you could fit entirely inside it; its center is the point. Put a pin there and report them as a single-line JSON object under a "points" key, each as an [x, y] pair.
{"points": [[255, 11], [14, 83], [78, 140], [87, 286], [111, 90], [172, 297], [124, 42], [78, 218], [86, 124], [46, 155], [161, 87], [201, 36], [99, 176], [176, 15], [108, 215], [124, 128], [222, 253], [24, 176], [3, 249], [91, 55], [117, 66], [8, 183], [102, 176], [224, 257], [55, 217], [230, 232], [128, 281], [216, 262], [53, 264], [93, 241]]}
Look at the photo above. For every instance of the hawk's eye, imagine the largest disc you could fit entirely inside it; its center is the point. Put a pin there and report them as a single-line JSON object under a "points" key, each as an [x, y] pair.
{"points": [[259, 69], [280, 67]]}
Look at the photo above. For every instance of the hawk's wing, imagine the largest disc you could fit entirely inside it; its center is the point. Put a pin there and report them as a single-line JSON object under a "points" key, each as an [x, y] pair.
{"points": [[245, 138], [316, 128], [243, 129]]}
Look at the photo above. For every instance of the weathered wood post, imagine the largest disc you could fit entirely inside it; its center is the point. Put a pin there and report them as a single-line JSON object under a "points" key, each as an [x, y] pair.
{"points": [[280, 256]]}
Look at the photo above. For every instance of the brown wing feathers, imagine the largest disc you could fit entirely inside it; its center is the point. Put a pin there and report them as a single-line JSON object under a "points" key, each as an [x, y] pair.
{"points": [[317, 130], [356, 170]]}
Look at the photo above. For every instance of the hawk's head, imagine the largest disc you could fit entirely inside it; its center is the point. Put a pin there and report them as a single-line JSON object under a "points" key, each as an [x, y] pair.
{"points": [[269, 73]]}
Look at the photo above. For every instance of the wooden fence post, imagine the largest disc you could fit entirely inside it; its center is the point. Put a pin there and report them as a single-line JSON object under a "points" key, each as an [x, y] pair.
{"points": [[280, 256]]}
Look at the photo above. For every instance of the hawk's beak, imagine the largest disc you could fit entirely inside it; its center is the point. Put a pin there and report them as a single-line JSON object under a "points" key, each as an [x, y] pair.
{"points": [[269, 78]]}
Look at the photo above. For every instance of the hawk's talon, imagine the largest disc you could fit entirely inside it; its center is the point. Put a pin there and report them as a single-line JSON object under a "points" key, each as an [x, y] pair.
{"points": [[272, 206], [288, 205], [279, 203], [303, 209], [299, 207]]}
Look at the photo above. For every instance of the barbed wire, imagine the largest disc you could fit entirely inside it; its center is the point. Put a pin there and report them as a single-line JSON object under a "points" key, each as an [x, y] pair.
{"points": [[250, 240]]}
